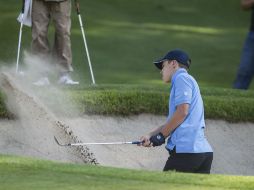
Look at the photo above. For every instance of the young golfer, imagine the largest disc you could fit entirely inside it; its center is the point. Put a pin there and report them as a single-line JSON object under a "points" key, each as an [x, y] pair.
{"points": [[189, 150]]}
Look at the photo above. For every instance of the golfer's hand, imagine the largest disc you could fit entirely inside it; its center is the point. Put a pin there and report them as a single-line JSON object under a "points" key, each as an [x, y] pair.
{"points": [[146, 141], [157, 140]]}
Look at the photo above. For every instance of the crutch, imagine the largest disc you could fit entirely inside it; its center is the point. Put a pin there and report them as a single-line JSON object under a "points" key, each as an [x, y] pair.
{"points": [[20, 35], [84, 38]]}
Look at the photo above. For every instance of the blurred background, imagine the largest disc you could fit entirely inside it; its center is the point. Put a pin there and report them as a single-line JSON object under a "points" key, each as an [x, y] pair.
{"points": [[125, 37]]}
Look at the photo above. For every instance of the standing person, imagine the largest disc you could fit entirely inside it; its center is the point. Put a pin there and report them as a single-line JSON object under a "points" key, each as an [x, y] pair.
{"points": [[189, 150], [246, 68], [59, 11]]}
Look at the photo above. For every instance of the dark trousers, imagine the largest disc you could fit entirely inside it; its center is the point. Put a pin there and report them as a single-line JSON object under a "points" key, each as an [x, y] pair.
{"points": [[189, 162], [246, 68]]}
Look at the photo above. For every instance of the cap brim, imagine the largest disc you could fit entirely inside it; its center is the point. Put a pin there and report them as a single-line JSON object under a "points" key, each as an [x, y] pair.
{"points": [[158, 63]]}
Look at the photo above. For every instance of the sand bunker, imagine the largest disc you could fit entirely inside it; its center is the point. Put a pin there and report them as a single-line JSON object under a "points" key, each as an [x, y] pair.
{"points": [[32, 135], [232, 143]]}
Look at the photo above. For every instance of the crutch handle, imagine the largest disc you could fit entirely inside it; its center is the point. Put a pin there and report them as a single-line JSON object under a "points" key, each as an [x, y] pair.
{"points": [[23, 7], [77, 7]]}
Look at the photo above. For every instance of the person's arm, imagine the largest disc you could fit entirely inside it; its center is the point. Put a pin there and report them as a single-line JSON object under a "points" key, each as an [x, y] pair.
{"points": [[247, 4], [176, 120], [146, 138]]}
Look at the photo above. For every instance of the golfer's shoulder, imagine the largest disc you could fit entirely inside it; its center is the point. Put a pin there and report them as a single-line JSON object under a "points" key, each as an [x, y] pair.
{"points": [[184, 78]]}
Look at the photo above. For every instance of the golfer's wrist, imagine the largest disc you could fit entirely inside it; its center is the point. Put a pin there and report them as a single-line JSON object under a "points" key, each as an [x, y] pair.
{"points": [[163, 133]]}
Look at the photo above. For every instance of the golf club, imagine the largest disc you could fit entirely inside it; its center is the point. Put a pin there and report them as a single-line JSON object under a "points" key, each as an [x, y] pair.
{"points": [[84, 38], [101, 143], [20, 35]]}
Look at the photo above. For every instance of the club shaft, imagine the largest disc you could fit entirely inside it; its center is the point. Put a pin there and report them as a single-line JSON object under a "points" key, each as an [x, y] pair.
{"points": [[104, 143]]}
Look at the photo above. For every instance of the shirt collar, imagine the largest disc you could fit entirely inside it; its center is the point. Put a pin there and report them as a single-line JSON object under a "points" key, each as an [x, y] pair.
{"points": [[179, 71]]}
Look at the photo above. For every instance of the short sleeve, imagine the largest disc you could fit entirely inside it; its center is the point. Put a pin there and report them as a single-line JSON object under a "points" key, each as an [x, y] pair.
{"points": [[183, 90]]}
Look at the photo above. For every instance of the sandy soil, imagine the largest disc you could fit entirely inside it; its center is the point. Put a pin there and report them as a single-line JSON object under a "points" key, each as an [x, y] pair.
{"points": [[31, 134], [232, 143], [115, 129]]}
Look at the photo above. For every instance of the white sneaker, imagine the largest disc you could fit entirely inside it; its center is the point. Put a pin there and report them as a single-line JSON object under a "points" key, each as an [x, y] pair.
{"points": [[44, 81], [66, 79]]}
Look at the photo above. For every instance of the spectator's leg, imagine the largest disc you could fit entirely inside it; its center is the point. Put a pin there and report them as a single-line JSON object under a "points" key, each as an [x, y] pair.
{"points": [[61, 15], [40, 23], [246, 67]]}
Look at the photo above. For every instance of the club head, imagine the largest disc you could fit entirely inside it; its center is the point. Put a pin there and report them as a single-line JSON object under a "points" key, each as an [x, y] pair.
{"points": [[59, 143]]}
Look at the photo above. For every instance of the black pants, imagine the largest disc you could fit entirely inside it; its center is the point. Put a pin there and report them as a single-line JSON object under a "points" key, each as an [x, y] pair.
{"points": [[189, 162]]}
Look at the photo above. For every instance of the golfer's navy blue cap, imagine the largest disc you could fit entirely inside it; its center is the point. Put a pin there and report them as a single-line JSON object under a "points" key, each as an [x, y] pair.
{"points": [[178, 55]]}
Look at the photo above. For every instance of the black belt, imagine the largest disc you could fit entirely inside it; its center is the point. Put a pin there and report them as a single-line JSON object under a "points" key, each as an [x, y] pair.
{"points": [[171, 152]]}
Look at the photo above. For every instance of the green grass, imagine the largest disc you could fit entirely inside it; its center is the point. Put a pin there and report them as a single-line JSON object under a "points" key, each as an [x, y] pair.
{"points": [[124, 37], [226, 104], [26, 173], [3, 108], [124, 100]]}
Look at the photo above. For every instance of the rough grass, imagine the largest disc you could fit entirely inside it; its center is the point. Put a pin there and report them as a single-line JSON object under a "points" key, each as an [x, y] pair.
{"points": [[226, 104], [25, 173], [124, 100], [4, 113]]}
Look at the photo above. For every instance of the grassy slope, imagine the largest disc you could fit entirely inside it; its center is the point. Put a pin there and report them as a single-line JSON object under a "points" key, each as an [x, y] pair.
{"points": [[23, 173], [124, 37], [220, 103], [226, 104]]}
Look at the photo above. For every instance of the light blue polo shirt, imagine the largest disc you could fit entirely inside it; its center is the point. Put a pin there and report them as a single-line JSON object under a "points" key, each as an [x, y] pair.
{"points": [[189, 137]]}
